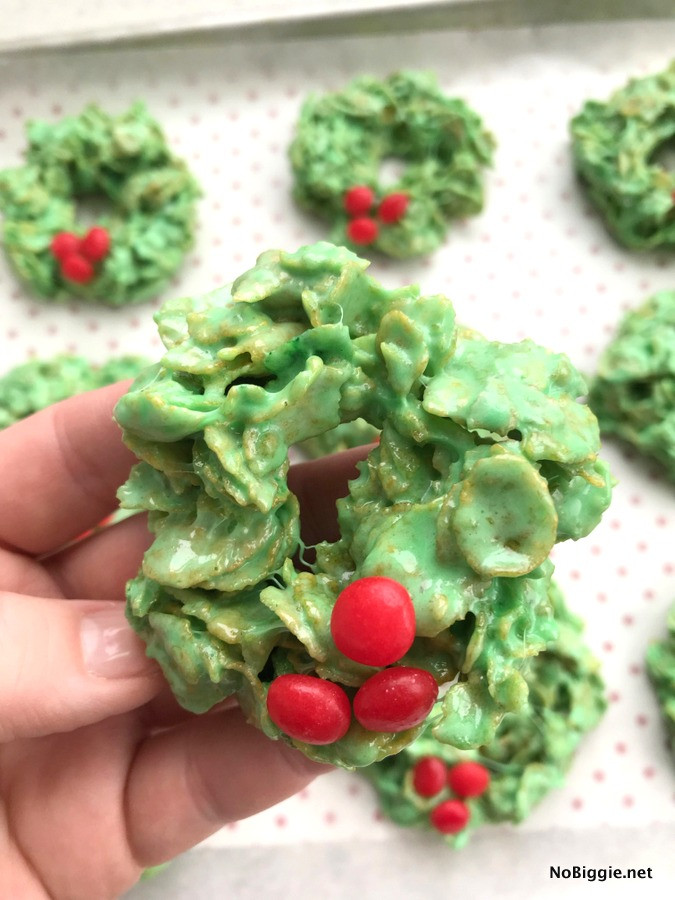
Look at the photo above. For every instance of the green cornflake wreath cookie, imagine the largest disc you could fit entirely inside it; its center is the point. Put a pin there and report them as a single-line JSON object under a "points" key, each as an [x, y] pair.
{"points": [[133, 252], [433, 785], [342, 139], [615, 148], [633, 393], [486, 459], [661, 670], [37, 384]]}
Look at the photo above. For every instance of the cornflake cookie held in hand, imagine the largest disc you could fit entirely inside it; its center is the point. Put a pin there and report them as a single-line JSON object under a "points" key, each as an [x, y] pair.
{"points": [[440, 580], [433, 785]]}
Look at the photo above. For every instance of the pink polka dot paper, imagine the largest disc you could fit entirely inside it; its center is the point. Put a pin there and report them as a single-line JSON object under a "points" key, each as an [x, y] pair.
{"points": [[536, 263]]}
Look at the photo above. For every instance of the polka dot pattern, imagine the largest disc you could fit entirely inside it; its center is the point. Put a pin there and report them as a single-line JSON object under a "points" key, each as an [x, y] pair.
{"points": [[537, 262]]}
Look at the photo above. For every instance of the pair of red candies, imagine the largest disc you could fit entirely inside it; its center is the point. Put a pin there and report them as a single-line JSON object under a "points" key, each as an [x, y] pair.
{"points": [[430, 776], [358, 201], [373, 623], [77, 255]]}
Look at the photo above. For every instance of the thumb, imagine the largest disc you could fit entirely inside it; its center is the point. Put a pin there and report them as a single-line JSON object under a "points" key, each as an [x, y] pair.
{"points": [[68, 663]]}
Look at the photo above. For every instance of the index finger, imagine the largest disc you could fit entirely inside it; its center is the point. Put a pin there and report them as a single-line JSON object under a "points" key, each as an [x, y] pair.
{"points": [[61, 470]]}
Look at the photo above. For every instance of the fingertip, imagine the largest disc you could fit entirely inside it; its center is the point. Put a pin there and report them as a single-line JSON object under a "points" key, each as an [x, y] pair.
{"points": [[79, 663]]}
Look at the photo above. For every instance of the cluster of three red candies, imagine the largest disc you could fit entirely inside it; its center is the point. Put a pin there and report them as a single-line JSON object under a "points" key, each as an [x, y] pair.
{"points": [[431, 777], [372, 623], [77, 256], [358, 201]]}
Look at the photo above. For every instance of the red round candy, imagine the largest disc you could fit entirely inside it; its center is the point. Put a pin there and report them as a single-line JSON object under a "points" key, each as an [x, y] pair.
{"points": [[393, 207], [309, 709], [395, 699], [95, 244], [429, 776], [468, 779], [77, 268], [63, 244], [362, 231], [373, 621], [450, 816], [358, 200]]}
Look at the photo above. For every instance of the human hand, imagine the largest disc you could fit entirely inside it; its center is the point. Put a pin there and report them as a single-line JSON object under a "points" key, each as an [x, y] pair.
{"points": [[101, 773]]}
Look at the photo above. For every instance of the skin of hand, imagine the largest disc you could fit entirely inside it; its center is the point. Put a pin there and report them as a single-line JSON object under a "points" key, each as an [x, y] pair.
{"points": [[101, 772]]}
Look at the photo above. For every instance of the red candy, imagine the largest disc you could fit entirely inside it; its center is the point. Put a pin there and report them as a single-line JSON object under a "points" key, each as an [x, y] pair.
{"points": [[76, 268], [358, 200], [373, 621], [77, 255], [95, 244], [395, 699], [450, 816], [393, 207], [362, 231], [429, 776], [309, 709], [64, 244], [468, 779]]}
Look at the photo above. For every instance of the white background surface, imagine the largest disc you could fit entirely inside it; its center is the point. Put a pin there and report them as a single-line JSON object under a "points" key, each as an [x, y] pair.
{"points": [[537, 262]]}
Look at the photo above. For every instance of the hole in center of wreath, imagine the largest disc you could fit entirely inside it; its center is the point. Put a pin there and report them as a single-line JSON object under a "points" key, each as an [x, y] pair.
{"points": [[391, 172], [90, 210], [663, 156]]}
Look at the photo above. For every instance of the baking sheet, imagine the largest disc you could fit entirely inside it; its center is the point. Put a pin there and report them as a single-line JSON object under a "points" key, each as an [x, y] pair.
{"points": [[536, 263], [41, 23]]}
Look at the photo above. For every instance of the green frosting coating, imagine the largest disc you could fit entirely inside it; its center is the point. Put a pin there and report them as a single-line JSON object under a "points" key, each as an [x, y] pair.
{"points": [[532, 749], [633, 394], [343, 437], [39, 383], [124, 159], [295, 346], [661, 670], [342, 139], [615, 148]]}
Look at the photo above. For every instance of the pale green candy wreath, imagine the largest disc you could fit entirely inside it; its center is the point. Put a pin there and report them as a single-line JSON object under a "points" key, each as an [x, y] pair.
{"points": [[124, 159], [633, 392], [615, 145], [486, 460], [342, 139], [532, 749], [34, 385]]}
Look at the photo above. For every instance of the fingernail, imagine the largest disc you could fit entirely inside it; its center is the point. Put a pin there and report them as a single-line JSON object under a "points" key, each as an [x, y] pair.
{"points": [[110, 647]]}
